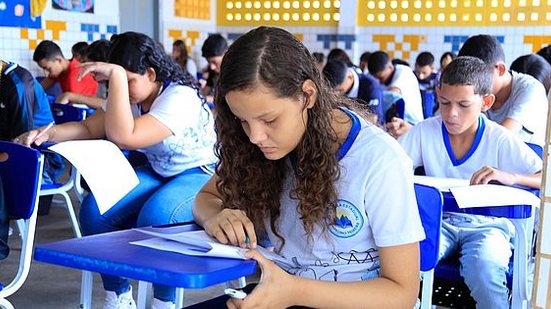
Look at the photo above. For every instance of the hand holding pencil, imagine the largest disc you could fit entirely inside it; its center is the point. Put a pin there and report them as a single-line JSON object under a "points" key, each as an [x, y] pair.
{"points": [[37, 136]]}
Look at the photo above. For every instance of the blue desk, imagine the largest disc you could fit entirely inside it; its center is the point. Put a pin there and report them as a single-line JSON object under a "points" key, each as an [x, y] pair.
{"points": [[111, 253], [511, 212]]}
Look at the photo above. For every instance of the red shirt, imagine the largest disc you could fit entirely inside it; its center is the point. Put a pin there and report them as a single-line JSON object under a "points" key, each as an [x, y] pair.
{"points": [[68, 80]]}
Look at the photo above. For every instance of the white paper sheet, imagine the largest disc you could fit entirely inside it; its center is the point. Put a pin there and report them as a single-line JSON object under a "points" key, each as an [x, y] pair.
{"points": [[442, 184], [103, 166], [492, 195]]}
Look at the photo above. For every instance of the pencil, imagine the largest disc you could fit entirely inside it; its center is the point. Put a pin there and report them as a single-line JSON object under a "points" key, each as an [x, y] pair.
{"points": [[39, 135]]}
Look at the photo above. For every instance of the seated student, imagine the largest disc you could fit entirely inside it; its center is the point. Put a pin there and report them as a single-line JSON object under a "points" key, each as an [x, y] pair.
{"points": [[320, 60], [424, 70], [179, 53], [445, 59], [400, 79], [79, 51], [462, 143], [49, 57], [98, 51], [535, 66], [521, 102], [363, 87], [286, 170], [363, 62], [213, 50], [155, 108]]}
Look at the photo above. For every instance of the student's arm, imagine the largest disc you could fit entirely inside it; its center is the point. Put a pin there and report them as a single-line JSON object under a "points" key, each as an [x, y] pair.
{"points": [[47, 82], [487, 174], [512, 125], [120, 125], [226, 225], [397, 286], [71, 97], [397, 127], [92, 127]]}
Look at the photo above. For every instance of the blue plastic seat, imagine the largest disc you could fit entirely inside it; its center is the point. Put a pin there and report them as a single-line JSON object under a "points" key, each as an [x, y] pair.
{"points": [[428, 101], [21, 176]]}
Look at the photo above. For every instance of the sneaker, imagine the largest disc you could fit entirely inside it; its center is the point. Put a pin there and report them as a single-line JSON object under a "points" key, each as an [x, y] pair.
{"points": [[123, 301], [159, 304]]}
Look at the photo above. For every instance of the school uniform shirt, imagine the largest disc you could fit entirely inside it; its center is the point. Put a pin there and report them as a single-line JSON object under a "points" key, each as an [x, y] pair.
{"points": [[404, 79], [527, 104], [376, 207], [23, 103], [192, 124], [69, 83], [369, 92], [429, 83], [428, 145]]}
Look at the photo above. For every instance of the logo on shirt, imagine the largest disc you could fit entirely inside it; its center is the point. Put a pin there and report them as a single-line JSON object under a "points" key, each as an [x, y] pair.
{"points": [[349, 220]]}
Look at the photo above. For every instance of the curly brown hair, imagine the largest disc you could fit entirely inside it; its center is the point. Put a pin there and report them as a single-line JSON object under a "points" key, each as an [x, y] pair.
{"points": [[247, 180]]}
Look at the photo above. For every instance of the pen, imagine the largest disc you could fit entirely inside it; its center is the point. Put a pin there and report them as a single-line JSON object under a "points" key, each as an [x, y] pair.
{"points": [[39, 135]]}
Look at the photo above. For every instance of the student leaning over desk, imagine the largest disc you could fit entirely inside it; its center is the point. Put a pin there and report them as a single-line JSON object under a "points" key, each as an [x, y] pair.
{"points": [[168, 120], [297, 166], [463, 143]]}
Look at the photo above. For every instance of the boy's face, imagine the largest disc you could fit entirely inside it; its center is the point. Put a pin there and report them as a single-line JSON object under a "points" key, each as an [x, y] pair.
{"points": [[423, 72], [460, 108], [52, 67], [384, 74], [215, 63], [346, 85]]}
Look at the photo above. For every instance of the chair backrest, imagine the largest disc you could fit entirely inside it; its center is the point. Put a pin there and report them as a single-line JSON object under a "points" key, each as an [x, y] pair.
{"points": [[66, 113], [428, 101], [430, 203], [21, 176]]}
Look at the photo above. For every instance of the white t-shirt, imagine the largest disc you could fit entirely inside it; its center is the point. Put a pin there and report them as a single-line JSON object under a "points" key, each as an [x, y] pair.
{"points": [[192, 141], [495, 146], [404, 79], [527, 104], [376, 208]]}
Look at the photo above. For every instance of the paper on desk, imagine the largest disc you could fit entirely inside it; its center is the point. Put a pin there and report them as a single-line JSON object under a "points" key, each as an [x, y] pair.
{"points": [[492, 195], [103, 166], [198, 243], [442, 184]]}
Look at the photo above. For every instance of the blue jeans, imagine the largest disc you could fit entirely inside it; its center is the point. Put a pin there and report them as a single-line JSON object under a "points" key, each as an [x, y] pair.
{"points": [[484, 248], [155, 201]]}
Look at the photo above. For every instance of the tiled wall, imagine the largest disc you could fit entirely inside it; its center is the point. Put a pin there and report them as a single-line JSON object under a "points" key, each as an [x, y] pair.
{"points": [[64, 27]]}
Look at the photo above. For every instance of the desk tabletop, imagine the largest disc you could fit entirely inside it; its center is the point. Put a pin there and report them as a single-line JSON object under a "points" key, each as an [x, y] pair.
{"points": [[111, 253], [511, 212]]}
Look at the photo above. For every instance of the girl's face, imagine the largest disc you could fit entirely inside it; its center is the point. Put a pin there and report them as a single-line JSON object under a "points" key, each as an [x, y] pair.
{"points": [[175, 52], [141, 86], [276, 125]]}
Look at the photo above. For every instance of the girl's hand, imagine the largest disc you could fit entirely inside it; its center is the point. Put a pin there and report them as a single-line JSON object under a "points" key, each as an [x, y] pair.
{"points": [[100, 70], [276, 288], [36, 137], [232, 226], [487, 174]]}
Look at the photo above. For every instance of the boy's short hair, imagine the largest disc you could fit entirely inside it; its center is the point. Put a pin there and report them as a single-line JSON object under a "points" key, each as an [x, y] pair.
{"points": [[425, 58], [79, 48], [335, 72], [320, 57], [377, 62], [484, 47], [469, 71], [98, 51], [215, 45], [365, 56], [46, 50]]}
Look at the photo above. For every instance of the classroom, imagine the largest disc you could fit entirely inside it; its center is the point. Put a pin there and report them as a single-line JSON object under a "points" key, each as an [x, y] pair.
{"points": [[275, 154]]}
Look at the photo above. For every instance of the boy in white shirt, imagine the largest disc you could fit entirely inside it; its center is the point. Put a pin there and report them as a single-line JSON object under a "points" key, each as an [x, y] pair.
{"points": [[462, 143]]}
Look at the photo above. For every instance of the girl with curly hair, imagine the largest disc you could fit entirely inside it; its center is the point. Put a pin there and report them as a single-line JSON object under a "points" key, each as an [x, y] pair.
{"points": [[332, 193], [168, 120]]}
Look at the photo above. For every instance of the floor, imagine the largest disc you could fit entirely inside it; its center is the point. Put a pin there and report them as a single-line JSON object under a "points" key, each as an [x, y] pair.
{"points": [[50, 286]]}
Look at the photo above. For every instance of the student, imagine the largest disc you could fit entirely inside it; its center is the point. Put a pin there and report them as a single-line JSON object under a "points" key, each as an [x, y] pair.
{"points": [[364, 58], [79, 51], [520, 100], [213, 50], [400, 79], [49, 57], [97, 51], [446, 58], [296, 166], [363, 87], [535, 66], [168, 120], [320, 60], [179, 53], [462, 143], [424, 70]]}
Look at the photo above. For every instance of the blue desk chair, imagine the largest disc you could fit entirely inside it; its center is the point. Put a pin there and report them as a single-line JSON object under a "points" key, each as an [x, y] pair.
{"points": [[429, 203], [428, 101], [21, 176], [53, 91]]}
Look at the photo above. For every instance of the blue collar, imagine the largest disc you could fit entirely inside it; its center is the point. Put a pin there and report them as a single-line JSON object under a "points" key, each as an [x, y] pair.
{"points": [[474, 146], [352, 135]]}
